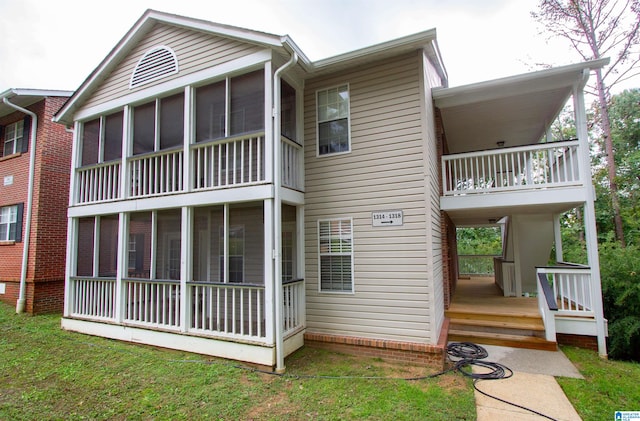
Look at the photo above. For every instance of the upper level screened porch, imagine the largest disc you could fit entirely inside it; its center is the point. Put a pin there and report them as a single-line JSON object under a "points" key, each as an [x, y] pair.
{"points": [[205, 138]]}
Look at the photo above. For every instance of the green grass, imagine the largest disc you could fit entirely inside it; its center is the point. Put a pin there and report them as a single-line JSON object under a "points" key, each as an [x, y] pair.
{"points": [[608, 386], [50, 374]]}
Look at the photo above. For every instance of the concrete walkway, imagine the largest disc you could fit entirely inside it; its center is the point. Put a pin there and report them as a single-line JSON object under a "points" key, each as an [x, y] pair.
{"points": [[533, 385]]}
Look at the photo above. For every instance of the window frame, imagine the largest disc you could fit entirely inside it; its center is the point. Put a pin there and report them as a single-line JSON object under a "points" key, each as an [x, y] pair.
{"points": [[102, 122], [351, 253], [17, 222], [319, 122], [18, 135]]}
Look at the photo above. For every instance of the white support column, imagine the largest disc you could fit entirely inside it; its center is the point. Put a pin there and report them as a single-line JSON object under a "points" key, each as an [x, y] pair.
{"points": [[187, 166], [300, 259], [268, 123], [127, 149], [75, 160], [225, 243], [591, 236], [268, 272], [154, 244], [557, 233], [71, 263], [121, 268], [186, 269]]}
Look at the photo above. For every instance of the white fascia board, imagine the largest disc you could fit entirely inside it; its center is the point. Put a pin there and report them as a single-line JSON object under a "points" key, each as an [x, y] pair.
{"points": [[564, 76], [14, 92], [376, 51]]}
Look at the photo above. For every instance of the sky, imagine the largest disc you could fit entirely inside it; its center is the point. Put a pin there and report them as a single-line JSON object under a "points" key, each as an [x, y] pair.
{"points": [[47, 44]]}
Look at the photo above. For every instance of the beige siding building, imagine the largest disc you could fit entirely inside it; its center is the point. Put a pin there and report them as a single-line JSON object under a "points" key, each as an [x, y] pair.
{"points": [[230, 197]]}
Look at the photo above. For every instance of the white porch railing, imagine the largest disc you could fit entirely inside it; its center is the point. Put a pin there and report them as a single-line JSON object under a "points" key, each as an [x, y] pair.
{"points": [[156, 173], [293, 305], [93, 298], [152, 303], [505, 276], [98, 183], [528, 167], [291, 162], [230, 309], [228, 162], [572, 288]]}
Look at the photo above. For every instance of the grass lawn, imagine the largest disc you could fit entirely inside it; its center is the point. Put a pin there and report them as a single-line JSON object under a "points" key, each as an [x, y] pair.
{"points": [[47, 373], [609, 386]]}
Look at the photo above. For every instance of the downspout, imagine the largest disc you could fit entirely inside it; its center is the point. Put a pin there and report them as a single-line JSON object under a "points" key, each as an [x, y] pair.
{"points": [[277, 215], [20, 304]]}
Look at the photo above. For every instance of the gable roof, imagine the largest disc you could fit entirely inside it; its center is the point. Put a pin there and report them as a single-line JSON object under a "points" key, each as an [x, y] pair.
{"points": [[516, 110], [281, 43]]}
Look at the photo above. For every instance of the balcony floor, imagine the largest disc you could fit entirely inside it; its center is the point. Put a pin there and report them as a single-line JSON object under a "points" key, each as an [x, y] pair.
{"points": [[481, 294]]}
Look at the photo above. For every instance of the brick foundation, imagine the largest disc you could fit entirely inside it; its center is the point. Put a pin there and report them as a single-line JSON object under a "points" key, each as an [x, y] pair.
{"points": [[580, 341], [392, 351]]}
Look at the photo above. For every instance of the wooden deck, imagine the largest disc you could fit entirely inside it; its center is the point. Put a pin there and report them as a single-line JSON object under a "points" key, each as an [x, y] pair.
{"points": [[480, 313]]}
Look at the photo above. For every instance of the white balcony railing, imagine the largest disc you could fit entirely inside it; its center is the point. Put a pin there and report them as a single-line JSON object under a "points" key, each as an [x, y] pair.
{"points": [[152, 303], [528, 167], [291, 162], [93, 298], [98, 183], [228, 162], [293, 305], [156, 173], [235, 310]]}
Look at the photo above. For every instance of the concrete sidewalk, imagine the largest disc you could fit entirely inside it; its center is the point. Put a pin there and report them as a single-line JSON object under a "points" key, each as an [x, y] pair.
{"points": [[533, 385]]}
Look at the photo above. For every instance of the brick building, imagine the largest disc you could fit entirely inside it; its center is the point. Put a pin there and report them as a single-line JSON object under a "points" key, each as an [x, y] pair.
{"points": [[37, 284]]}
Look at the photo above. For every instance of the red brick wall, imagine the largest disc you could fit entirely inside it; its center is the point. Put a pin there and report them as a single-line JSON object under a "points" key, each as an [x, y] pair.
{"points": [[47, 248], [581, 341]]}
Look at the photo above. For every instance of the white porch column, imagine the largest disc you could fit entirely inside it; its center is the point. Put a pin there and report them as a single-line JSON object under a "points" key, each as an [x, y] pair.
{"points": [[557, 233], [300, 260], [268, 272], [127, 150], [186, 269], [591, 236], [121, 267]]}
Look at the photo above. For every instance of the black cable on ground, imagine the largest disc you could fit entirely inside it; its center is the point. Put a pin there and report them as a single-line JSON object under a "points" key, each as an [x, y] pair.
{"points": [[470, 355]]}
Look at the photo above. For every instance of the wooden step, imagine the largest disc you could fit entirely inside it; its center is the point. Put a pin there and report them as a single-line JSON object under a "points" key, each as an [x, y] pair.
{"points": [[501, 339], [520, 324]]}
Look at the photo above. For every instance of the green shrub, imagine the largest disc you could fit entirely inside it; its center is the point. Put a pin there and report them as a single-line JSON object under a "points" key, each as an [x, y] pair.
{"points": [[620, 273]]}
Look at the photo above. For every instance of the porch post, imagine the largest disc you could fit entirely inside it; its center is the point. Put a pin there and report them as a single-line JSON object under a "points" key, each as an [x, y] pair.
{"points": [[186, 269], [558, 237], [72, 258], [591, 236], [268, 272], [300, 261], [121, 268]]}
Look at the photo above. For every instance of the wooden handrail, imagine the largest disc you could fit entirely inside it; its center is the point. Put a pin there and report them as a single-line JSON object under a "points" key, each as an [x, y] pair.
{"points": [[548, 293]]}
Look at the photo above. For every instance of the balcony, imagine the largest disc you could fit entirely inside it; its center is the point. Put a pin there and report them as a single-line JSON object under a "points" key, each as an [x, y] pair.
{"points": [[214, 310], [219, 164], [545, 176]]}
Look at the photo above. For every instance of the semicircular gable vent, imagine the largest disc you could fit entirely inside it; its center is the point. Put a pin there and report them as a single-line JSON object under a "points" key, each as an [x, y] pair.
{"points": [[155, 64]]}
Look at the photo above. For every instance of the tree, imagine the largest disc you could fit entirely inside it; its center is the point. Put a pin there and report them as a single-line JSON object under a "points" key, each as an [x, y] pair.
{"points": [[598, 29]]}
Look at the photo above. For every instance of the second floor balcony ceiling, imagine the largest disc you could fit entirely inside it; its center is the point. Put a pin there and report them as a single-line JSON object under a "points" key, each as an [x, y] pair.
{"points": [[508, 112]]}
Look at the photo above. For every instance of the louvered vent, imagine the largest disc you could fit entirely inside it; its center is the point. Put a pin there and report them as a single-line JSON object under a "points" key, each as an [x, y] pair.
{"points": [[155, 64]]}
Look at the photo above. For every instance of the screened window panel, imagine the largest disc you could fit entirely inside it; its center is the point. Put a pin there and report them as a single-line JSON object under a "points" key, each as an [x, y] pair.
{"points": [[172, 121], [207, 224], [144, 127], [113, 137], [247, 103], [91, 142], [139, 259], [210, 111], [84, 263], [288, 111], [168, 248], [108, 247]]}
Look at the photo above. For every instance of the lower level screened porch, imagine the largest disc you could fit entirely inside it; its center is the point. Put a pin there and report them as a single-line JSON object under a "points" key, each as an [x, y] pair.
{"points": [[199, 279]]}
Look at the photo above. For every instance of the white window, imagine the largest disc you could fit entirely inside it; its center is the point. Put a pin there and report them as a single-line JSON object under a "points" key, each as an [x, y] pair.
{"points": [[333, 120], [9, 223], [335, 246], [13, 138]]}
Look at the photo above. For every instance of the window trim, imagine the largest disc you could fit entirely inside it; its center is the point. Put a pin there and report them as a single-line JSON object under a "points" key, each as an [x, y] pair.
{"points": [[348, 117], [320, 254], [15, 150]]}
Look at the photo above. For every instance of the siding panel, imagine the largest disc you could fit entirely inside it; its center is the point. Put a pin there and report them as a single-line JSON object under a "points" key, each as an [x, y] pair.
{"points": [[384, 170], [195, 51]]}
